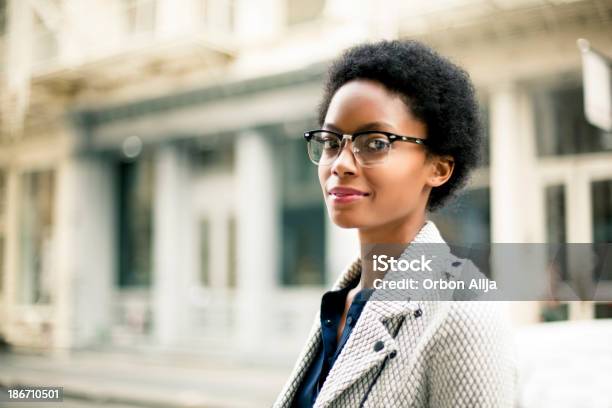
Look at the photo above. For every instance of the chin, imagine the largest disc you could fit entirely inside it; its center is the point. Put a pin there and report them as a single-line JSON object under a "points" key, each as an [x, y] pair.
{"points": [[344, 221]]}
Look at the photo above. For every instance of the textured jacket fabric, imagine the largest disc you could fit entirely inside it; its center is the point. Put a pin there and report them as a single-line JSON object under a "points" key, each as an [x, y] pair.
{"points": [[415, 353]]}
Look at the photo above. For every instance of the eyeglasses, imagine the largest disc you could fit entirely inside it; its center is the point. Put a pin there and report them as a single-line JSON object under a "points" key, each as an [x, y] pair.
{"points": [[370, 147]]}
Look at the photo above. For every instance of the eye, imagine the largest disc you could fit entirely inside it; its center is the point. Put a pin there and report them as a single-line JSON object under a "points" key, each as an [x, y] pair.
{"points": [[328, 142], [375, 143]]}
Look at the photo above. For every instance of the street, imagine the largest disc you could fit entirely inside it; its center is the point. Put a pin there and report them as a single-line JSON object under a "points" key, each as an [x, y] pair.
{"points": [[121, 380]]}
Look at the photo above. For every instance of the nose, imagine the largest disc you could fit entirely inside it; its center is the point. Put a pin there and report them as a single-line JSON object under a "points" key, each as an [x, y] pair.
{"points": [[345, 163]]}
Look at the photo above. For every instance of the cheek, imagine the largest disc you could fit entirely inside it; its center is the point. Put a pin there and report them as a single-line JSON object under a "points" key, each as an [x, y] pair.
{"points": [[323, 173], [401, 186]]}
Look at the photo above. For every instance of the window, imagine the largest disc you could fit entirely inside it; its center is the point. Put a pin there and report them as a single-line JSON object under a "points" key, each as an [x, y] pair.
{"points": [[205, 252], [303, 217], [555, 214], [603, 310], [465, 222], [214, 154], [555, 229], [554, 312], [303, 246], [3, 13], [561, 126], [601, 195], [466, 219], [36, 224], [300, 11], [300, 182], [135, 197]]}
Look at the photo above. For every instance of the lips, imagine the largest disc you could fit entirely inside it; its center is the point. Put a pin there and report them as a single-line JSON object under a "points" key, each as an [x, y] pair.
{"points": [[342, 195], [342, 191]]}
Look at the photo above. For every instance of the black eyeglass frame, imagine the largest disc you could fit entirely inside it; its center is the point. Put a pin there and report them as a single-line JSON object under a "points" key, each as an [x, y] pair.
{"points": [[391, 136]]}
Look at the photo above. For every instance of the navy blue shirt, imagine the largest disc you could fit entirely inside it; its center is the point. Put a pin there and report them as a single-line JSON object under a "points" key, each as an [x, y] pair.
{"points": [[332, 307]]}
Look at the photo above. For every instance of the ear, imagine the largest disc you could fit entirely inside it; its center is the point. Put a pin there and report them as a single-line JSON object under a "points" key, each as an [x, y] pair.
{"points": [[441, 170]]}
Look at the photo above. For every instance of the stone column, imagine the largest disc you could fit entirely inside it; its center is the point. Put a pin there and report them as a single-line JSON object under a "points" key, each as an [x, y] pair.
{"points": [[257, 222], [516, 208], [85, 209], [514, 184], [172, 245]]}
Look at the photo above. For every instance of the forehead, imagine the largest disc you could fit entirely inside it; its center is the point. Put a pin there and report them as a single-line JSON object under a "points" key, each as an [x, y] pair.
{"points": [[365, 101]]}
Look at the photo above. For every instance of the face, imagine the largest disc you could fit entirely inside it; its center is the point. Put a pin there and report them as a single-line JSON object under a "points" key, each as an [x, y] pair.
{"points": [[394, 191]]}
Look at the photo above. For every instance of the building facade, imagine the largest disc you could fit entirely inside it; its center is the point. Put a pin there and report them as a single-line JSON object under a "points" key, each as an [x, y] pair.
{"points": [[155, 189]]}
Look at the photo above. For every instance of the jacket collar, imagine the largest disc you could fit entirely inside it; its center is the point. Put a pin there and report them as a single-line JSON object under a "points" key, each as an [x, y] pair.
{"points": [[378, 323]]}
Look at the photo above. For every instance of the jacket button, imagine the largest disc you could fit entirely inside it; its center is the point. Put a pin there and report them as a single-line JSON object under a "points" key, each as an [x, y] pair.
{"points": [[379, 345], [418, 313], [393, 354], [328, 323]]}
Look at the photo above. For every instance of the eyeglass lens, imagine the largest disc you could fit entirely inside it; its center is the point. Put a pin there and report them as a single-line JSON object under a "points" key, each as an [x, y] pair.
{"points": [[371, 148]]}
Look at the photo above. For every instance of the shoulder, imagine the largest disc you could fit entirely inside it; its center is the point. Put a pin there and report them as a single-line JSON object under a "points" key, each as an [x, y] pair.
{"points": [[477, 337], [469, 324], [476, 318], [472, 361], [469, 331], [474, 284]]}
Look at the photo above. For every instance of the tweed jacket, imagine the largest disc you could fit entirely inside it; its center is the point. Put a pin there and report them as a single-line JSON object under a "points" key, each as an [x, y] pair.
{"points": [[434, 353]]}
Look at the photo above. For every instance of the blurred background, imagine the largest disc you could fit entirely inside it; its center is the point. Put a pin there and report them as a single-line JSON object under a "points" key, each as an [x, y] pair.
{"points": [[163, 238]]}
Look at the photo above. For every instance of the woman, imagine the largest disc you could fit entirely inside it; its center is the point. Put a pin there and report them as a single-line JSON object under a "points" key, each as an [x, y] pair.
{"points": [[399, 136]]}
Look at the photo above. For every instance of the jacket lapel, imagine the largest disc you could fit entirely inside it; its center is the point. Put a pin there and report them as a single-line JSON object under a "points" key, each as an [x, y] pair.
{"points": [[359, 355], [314, 341], [378, 322]]}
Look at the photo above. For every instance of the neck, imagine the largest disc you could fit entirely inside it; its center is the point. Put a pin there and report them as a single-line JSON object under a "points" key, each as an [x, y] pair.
{"points": [[390, 240]]}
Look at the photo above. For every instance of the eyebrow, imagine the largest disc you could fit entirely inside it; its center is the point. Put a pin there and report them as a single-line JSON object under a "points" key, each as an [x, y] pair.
{"points": [[367, 126]]}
